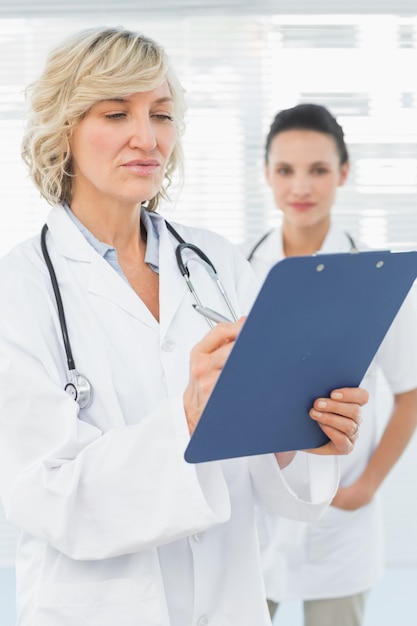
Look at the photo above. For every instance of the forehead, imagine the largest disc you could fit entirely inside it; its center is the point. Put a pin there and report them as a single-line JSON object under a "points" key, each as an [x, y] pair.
{"points": [[159, 94], [303, 146]]}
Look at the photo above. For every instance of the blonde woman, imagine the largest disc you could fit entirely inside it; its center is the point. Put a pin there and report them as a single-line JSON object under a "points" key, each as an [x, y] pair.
{"points": [[105, 368]]}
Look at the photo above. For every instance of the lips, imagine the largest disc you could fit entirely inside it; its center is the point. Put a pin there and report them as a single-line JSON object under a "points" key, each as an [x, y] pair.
{"points": [[142, 167], [302, 206]]}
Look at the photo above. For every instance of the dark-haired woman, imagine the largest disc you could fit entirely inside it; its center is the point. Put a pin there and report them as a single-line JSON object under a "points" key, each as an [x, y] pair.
{"points": [[332, 564]]}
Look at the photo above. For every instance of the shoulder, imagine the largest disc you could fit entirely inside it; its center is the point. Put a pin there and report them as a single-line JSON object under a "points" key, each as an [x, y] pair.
{"points": [[24, 278], [24, 260]]}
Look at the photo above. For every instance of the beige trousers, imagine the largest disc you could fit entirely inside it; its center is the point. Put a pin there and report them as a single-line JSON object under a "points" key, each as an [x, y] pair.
{"points": [[347, 611]]}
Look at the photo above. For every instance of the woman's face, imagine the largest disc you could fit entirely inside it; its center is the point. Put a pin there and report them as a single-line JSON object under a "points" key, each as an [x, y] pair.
{"points": [[304, 172], [121, 148]]}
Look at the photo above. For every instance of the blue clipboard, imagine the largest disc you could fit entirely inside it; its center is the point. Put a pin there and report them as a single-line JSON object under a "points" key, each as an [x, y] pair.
{"points": [[315, 326]]}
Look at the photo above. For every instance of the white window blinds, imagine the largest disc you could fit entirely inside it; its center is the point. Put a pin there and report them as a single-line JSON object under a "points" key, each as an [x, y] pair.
{"points": [[238, 71]]}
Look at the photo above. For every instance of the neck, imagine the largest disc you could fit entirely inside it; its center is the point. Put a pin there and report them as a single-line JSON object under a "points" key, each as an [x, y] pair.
{"points": [[303, 241], [117, 226], [120, 227]]}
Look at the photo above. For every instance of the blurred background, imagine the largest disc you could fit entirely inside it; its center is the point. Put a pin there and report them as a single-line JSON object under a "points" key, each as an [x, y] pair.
{"points": [[240, 62]]}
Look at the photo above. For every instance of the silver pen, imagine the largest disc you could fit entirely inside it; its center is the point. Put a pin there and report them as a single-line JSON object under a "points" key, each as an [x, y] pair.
{"points": [[211, 314]]}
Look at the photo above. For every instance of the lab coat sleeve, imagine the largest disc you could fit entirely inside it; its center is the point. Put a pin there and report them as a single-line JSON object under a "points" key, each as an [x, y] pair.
{"points": [[301, 491], [94, 495], [87, 493]]}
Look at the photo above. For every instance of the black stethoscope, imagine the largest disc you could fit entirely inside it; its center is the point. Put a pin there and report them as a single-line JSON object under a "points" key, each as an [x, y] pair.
{"points": [[78, 386]]}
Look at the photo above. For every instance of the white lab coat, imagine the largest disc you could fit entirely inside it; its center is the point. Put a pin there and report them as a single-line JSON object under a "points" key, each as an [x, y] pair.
{"points": [[116, 527], [342, 553]]}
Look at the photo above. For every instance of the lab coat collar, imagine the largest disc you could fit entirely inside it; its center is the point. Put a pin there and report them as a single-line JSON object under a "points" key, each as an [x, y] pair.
{"points": [[335, 241], [106, 283]]}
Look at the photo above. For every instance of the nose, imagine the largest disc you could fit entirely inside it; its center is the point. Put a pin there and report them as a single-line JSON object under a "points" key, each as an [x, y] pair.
{"points": [[142, 134], [301, 185]]}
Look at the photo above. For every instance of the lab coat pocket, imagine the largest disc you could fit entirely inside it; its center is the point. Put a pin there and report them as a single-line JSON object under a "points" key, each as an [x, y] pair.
{"points": [[130, 602]]}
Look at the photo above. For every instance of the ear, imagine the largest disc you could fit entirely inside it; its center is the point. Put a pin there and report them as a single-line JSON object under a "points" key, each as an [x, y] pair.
{"points": [[344, 173]]}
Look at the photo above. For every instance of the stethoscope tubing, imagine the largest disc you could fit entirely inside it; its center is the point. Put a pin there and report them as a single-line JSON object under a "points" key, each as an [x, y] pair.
{"points": [[58, 298], [183, 245], [78, 386]]}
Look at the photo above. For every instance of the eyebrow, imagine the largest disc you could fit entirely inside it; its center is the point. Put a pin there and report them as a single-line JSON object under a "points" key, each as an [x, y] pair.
{"points": [[158, 101], [310, 164]]}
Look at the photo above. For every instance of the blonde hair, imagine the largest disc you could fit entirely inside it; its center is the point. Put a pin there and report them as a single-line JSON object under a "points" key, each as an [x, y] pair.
{"points": [[96, 64]]}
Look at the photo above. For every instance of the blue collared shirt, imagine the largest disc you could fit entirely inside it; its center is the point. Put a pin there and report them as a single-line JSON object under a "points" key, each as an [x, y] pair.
{"points": [[110, 254]]}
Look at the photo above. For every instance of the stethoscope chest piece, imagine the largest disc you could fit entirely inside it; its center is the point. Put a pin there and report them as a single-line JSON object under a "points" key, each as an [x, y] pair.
{"points": [[80, 390]]}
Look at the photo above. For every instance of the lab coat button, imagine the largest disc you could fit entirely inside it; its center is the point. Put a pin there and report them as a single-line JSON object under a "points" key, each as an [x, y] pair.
{"points": [[168, 345], [202, 621], [198, 537]]}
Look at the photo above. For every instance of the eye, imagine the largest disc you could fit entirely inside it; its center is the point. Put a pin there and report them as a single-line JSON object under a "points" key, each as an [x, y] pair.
{"points": [[319, 170], [163, 117], [283, 171], [115, 116]]}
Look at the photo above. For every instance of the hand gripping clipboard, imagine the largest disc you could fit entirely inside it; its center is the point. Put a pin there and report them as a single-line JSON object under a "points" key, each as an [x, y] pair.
{"points": [[315, 326]]}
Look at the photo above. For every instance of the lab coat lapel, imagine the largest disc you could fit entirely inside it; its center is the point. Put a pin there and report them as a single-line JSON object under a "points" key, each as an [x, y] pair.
{"points": [[106, 283], [101, 279]]}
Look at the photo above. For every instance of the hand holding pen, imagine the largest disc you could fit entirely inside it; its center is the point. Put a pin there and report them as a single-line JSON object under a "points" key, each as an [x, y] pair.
{"points": [[207, 359]]}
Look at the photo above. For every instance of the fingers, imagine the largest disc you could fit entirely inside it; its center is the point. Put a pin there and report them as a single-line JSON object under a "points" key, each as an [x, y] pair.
{"points": [[355, 432], [207, 359], [333, 413], [340, 443], [212, 351], [220, 334], [356, 395], [340, 417]]}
